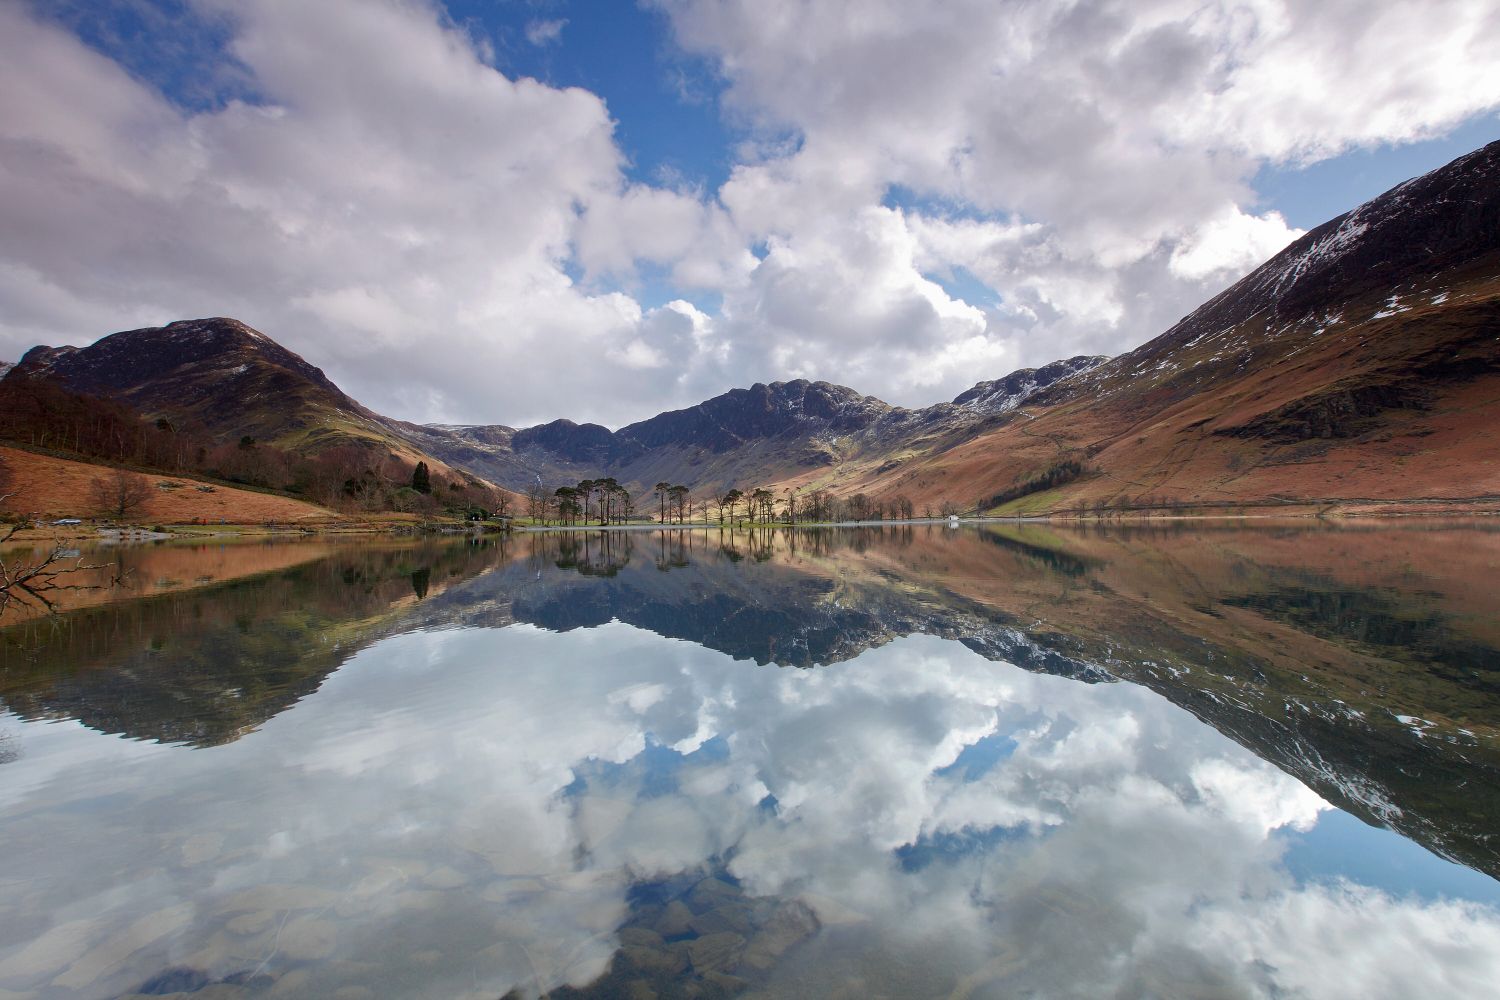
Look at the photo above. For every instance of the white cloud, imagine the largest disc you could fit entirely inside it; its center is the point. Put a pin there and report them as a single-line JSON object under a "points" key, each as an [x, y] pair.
{"points": [[1230, 243], [1116, 138], [396, 210], [450, 243], [543, 32]]}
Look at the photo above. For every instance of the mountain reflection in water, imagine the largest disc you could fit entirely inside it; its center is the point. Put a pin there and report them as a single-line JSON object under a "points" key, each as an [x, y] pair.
{"points": [[564, 762]]}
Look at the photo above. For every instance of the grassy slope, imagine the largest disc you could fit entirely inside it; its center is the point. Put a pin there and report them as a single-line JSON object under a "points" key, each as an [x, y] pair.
{"points": [[55, 487]]}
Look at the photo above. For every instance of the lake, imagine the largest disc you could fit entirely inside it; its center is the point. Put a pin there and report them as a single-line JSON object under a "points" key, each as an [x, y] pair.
{"points": [[1161, 760]]}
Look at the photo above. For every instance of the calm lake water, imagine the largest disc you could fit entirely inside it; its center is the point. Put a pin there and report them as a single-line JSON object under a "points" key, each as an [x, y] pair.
{"points": [[1006, 761]]}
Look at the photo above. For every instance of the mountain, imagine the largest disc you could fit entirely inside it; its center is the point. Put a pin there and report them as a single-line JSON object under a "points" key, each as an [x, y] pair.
{"points": [[224, 379], [220, 374], [230, 381], [755, 436], [1359, 369]]}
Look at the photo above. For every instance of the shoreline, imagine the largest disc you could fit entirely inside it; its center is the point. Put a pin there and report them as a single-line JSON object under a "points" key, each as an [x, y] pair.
{"points": [[1358, 510]]}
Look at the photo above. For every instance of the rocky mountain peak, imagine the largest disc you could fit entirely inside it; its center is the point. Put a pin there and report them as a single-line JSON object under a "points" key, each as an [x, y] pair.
{"points": [[1003, 394], [1441, 220]]}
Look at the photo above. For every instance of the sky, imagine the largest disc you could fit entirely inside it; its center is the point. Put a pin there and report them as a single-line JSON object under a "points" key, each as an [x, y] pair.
{"points": [[509, 211]]}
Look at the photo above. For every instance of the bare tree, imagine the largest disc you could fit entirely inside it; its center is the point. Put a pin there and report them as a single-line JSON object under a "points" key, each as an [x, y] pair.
{"points": [[120, 494], [29, 581]]}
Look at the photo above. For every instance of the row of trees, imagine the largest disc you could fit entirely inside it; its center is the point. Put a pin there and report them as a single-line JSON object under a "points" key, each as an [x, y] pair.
{"points": [[605, 501], [762, 506], [602, 498]]}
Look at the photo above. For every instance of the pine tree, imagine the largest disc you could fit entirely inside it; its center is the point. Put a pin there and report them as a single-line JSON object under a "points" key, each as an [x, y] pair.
{"points": [[421, 479]]}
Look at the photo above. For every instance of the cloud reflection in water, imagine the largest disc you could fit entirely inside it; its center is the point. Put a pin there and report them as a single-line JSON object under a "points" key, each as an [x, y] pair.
{"points": [[460, 812]]}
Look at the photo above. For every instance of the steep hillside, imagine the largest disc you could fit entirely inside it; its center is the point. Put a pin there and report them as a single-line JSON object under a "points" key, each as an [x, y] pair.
{"points": [[1359, 367], [212, 372]]}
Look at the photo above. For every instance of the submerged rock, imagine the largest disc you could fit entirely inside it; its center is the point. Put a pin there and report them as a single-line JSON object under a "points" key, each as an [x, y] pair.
{"points": [[712, 893], [675, 920], [716, 952], [790, 925]]}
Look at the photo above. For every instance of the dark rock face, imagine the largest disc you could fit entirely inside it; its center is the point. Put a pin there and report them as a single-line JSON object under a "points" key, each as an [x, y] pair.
{"points": [[590, 444], [761, 411], [1340, 413]]}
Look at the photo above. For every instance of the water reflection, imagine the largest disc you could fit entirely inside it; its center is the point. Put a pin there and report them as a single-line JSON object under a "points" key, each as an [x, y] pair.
{"points": [[208, 664], [564, 763]]}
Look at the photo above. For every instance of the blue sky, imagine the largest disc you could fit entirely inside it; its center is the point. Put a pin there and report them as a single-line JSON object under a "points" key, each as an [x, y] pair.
{"points": [[694, 195]]}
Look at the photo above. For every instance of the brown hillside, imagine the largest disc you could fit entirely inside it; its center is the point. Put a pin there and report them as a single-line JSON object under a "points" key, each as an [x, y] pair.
{"points": [[55, 488], [1385, 409], [224, 381], [1358, 368]]}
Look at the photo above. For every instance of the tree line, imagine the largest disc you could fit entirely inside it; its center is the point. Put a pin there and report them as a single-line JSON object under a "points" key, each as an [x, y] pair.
{"points": [[605, 502]]}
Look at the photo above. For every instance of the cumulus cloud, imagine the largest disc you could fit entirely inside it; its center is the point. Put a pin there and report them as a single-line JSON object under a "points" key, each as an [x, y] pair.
{"points": [[391, 207], [454, 244], [1090, 162]]}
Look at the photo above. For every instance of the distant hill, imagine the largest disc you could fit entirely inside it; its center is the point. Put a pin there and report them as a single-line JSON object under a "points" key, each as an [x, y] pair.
{"points": [[219, 375]]}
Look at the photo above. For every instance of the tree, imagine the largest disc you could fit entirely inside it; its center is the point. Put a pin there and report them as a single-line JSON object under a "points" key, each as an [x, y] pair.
{"points": [[678, 496], [661, 496], [536, 501], [566, 499], [859, 507], [730, 499], [610, 499], [421, 478], [585, 490], [760, 501], [120, 494]]}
